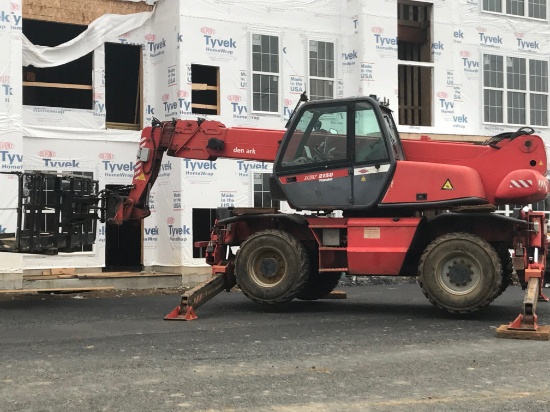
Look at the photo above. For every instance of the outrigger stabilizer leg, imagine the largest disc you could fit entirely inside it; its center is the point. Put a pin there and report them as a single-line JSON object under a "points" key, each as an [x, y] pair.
{"points": [[199, 295], [525, 326]]}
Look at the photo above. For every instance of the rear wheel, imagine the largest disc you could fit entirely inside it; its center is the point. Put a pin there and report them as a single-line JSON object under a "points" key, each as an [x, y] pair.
{"points": [[272, 267], [460, 273]]}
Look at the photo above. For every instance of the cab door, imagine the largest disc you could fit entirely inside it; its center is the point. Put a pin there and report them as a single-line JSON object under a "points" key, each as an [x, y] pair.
{"points": [[372, 164], [314, 170]]}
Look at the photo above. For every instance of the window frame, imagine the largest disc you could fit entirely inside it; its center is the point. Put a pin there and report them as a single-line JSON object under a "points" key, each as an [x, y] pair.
{"points": [[73, 93], [265, 189], [277, 74], [504, 9], [506, 90], [411, 111], [320, 78]]}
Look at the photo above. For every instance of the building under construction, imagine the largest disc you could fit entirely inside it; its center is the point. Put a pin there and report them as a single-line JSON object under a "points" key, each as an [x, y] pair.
{"points": [[81, 79]]}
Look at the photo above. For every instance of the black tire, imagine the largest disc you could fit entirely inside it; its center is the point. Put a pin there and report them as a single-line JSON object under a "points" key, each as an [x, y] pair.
{"points": [[460, 273], [272, 267], [319, 285], [507, 271]]}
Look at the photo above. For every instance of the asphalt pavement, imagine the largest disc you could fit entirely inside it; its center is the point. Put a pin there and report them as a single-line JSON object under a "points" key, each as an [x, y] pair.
{"points": [[385, 348]]}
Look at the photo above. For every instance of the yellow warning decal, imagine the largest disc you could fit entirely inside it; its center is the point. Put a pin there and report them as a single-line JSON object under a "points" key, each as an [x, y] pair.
{"points": [[540, 163], [363, 179], [140, 177], [448, 185]]}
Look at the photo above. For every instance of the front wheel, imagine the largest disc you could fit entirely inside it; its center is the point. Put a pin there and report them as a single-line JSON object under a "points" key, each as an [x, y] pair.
{"points": [[272, 267], [460, 272]]}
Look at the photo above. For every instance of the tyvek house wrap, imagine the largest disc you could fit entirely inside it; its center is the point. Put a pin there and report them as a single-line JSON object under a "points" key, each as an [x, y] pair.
{"points": [[220, 33], [11, 142], [76, 140]]}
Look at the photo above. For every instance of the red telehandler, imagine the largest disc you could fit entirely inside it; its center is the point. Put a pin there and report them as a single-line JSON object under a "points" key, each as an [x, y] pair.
{"points": [[419, 208]]}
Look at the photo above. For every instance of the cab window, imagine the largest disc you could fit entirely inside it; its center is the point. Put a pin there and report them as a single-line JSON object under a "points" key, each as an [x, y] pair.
{"points": [[370, 145], [320, 136]]}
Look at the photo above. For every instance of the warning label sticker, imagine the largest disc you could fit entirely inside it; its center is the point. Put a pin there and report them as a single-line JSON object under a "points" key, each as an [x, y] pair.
{"points": [[447, 185]]}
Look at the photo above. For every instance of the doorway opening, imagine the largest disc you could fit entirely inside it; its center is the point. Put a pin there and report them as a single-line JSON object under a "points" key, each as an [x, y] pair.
{"points": [[203, 221], [123, 244]]}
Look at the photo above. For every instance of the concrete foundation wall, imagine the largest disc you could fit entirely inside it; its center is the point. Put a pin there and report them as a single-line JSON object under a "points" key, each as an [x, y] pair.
{"points": [[11, 281]]}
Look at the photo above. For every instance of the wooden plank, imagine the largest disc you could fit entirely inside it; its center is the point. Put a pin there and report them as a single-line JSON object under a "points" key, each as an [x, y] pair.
{"points": [[101, 275], [411, 34], [426, 102], [336, 294], [122, 275], [63, 271], [59, 85], [48, 277], [416, 95], [204, 106], [218, 90], [203, 86], [543, 333], [410, 96], [58, 271], [122, 126], [78, 11], [62, 290], [401, 96]]}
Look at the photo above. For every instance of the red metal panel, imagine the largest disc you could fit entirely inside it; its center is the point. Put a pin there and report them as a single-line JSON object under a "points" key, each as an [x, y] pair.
{"points": [[492, 164], [377, 246], [190, 141], [332, 222], [439, 182], [522, 187]]}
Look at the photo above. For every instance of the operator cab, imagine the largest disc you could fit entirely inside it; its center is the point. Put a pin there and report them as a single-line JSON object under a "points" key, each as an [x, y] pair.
{"points": [[337, 154]]}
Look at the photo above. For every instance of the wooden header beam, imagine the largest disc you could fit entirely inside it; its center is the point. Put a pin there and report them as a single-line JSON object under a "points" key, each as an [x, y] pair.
{"points": [[78, 11]]}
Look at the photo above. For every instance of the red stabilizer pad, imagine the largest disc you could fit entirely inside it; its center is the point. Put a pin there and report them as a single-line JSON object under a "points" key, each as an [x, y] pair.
{"points": [[519, 324], [176, 314]]}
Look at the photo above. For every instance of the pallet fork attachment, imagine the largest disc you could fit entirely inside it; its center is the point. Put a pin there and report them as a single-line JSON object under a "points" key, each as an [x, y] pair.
{"points": [[200, 294]]}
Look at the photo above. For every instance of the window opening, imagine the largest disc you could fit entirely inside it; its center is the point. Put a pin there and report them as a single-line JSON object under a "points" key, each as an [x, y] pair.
{"points": [[415, 77], [123, 243], [205, 94], [123, 78], [203, 221], [68, 85]]}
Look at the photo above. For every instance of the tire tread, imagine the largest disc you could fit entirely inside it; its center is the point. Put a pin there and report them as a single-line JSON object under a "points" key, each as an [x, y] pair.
{"points": [[303, 270], [493, 255]]}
